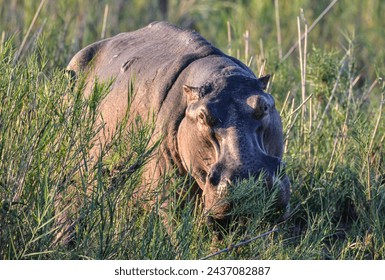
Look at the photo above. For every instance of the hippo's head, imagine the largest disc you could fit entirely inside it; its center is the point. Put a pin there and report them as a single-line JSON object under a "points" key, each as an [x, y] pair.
{"points": [[231, 130]]}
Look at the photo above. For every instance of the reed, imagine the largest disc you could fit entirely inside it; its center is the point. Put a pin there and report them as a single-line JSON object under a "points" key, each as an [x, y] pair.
{"points": [[330, 95]]}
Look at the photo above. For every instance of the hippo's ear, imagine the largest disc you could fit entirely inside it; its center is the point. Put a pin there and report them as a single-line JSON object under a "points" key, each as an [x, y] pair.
{"points": [[192, 93], [264, 81]]}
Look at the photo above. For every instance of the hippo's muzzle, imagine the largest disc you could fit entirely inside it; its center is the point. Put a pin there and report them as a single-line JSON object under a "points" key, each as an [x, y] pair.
{"points": [[217, 190]]}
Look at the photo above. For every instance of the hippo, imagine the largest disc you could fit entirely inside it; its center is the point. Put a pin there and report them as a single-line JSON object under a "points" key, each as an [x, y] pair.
{"points": [[217, 123]]}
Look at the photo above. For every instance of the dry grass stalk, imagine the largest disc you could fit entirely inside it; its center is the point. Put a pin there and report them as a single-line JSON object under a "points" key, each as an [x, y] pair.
{"points": [[278, 26], [283, 108], [314, 24], [290, 125], [105, 16], [262, 68], [302, 60], [301, 105], [369, 153], [331, 161], [2, 41], [19, 52], [229, 48], [247, 40]]}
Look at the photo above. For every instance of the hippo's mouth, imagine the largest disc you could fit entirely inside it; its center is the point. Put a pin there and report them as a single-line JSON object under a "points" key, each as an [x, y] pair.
{"points": [[218, 224], [245, 198], [220, 210], [216, 201], [260, 142]]}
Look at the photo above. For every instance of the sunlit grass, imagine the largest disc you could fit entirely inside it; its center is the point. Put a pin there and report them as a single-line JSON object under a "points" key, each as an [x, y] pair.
{"points": [[334, 144]]}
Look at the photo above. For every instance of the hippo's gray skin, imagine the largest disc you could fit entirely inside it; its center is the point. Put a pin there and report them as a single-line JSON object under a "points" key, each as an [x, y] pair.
{"points": [[218, 123]]}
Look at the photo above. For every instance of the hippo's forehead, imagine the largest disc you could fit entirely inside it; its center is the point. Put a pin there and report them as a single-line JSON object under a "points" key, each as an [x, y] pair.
{"points": [[234, 106]]}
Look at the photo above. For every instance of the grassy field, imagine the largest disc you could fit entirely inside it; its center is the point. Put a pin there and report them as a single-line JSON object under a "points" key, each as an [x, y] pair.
{"points": [[329, 90]]}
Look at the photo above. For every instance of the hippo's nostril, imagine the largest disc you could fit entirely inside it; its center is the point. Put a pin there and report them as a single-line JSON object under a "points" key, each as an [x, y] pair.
{"points": [[213, 178]]}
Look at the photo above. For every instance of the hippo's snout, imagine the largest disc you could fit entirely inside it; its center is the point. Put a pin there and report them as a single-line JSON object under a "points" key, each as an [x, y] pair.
{"points": [[218, 189]]}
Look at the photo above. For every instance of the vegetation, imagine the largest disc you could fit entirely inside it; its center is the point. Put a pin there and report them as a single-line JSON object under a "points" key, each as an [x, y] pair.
{"points": [[330, 93]]}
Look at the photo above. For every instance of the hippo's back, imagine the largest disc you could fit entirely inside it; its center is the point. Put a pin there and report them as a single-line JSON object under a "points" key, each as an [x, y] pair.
{"points": [[152, 58]]}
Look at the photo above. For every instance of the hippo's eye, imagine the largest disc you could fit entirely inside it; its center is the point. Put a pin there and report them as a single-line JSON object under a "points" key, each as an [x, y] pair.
{"points": [[202, 117], [205, 118]]}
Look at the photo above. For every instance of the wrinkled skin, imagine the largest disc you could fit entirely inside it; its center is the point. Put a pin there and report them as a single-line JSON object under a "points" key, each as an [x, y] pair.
{"points": [[218, 123]]}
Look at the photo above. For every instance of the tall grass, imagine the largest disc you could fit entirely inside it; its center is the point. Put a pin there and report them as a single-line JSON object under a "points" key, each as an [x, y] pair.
{"points": [[331, 107]]}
